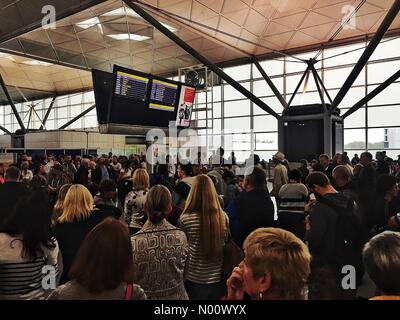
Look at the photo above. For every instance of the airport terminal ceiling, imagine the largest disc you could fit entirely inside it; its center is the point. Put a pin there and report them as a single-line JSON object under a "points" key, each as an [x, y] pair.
{"points": [[42, 62]]}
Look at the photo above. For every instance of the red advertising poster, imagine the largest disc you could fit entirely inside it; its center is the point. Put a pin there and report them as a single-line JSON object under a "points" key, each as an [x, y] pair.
{"points": [[185, 107], [189, 95]]}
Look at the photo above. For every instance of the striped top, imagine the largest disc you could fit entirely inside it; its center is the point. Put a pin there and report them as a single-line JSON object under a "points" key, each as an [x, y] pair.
{"points": [[198, 269], [292, 198], [19, 277]]}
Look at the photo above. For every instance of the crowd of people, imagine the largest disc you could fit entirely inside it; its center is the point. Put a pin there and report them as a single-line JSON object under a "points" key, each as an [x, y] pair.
{"points": [[111, 230]]}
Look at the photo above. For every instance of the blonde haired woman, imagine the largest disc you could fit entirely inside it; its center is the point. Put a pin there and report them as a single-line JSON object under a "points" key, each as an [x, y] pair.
{"points": [[77, 219], [276, 266], [160, 244], [206, 226], [134, 214], [58, 207]]}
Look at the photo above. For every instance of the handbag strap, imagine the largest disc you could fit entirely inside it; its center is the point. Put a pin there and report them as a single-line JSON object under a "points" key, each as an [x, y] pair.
{"points": [[129, 291]]}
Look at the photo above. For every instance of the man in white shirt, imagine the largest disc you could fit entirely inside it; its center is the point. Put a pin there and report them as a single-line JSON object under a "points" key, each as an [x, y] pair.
{"points": [[49, 164]]}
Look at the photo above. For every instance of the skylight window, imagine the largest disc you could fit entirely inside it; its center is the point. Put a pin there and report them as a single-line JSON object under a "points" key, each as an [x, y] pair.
{"points": [[37, 63], [129, 12], [6, 56], [88, 23], [121, 12], [172, 29], [127, 36]]}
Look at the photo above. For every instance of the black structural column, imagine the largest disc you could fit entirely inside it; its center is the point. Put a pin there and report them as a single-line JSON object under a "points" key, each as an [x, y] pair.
{"points": [[391, 15], [48, 113], [78, 117], [270, 83], [372, 94], [14, 109], [150, 19]]}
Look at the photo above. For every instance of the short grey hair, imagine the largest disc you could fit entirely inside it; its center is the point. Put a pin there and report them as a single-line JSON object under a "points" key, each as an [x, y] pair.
{"points": [[381, 256]]}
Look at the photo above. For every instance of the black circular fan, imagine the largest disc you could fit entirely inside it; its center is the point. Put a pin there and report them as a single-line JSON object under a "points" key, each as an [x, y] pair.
{"points": [[192, 78]]}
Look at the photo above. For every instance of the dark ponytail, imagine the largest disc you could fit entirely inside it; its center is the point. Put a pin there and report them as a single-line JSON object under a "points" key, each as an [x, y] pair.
{"points": [[158, 203]]}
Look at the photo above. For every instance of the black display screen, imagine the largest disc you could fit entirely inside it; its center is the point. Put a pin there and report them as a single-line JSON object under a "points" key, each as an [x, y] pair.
{"points": [[135, 98], [140, 99], [131, 85], [103, 83], [163, 95], [129, 101]]}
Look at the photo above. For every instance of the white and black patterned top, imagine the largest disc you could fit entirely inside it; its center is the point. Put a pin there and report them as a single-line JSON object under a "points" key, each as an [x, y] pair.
{"points": [[134, 214], [159, 255]]}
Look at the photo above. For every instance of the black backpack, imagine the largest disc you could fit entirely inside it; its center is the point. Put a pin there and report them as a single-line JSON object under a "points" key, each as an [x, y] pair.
{"points": [[348, 238]]}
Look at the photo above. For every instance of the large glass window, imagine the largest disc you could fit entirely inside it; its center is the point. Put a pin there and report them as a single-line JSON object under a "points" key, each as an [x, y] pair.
{"points": [[354, 139], [271, 102], [237, 108], [266, 141], [237, 124], [271, 67], [334, 57], [389, 96], [230, 93], [355, 120], [262, 89], [335, 78], [384, 116], [239, 73], [388, 48], [379, 72], [265, 123]]}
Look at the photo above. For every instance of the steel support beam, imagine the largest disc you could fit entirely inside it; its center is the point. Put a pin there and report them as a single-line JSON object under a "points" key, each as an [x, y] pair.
{"points": [[29, 119], [391, 15], [60, 14], [14, 109], [5, 130], [154, 22], [48, 113], [372, 94], [298, 85], [270, 83], [77, 117], [321, 94], [37, 115], [323, 86]]}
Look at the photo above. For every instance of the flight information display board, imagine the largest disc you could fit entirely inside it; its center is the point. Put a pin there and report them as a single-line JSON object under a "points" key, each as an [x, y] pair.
{"points": [[163, 95], [141, 99], [131, 86]]}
